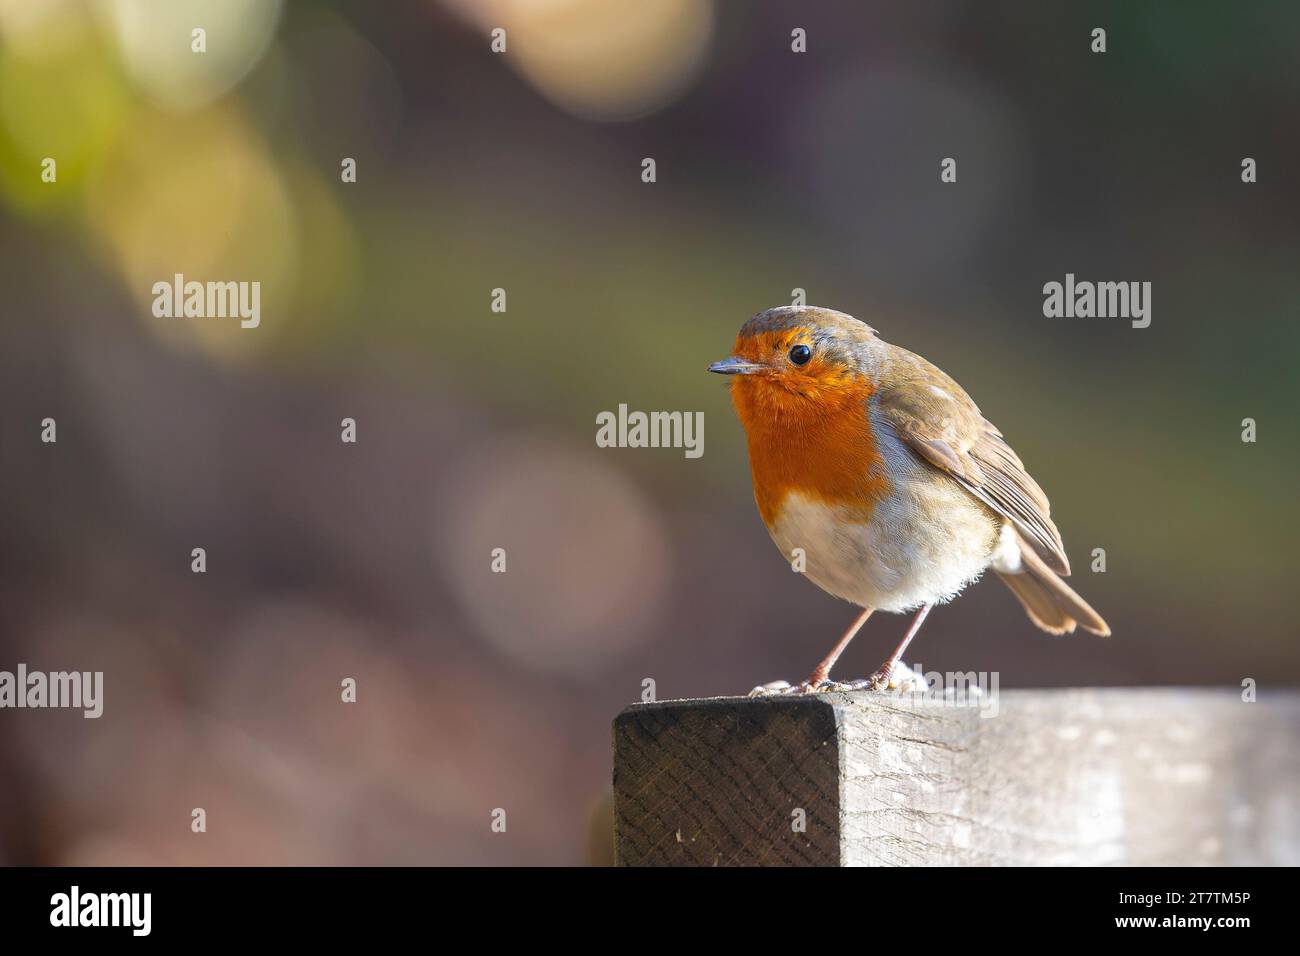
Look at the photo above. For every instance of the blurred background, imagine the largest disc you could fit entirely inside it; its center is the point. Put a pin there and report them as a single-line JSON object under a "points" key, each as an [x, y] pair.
{"points": [[475, 429]]}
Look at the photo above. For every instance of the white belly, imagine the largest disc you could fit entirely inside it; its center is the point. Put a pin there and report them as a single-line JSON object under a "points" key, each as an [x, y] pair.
{"points": [[922, 545]]}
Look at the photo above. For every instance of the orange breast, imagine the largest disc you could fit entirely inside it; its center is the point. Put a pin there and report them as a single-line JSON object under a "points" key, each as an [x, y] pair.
{"points": [[818, 445]]}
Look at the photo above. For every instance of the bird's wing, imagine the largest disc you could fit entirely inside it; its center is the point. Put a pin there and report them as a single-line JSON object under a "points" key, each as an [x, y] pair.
{"points": [[934, 417]]}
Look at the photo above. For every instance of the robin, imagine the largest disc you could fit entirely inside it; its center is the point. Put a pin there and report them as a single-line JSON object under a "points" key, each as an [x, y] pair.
{"points": [[883, 471]]}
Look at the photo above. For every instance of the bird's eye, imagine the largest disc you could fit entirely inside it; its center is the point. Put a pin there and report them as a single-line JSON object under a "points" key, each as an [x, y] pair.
{"points": [[800, 354]]}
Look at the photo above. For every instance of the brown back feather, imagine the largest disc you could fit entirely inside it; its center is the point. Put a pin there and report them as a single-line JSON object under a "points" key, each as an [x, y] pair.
{"points": [[948, 431]]}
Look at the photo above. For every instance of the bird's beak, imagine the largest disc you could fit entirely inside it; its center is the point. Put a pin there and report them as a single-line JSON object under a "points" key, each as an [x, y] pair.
{"points": [[735, 366]]}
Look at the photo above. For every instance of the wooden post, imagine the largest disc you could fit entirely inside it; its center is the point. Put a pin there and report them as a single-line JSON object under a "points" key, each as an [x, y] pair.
{"points": [[1060, 777]]}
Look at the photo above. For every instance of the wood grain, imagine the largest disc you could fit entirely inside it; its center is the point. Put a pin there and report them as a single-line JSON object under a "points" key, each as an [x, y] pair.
{"points": [[1058, 777]]}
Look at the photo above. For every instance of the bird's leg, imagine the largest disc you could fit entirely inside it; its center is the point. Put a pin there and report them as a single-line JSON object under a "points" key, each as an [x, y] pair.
{"points": [[880, 680], [817, 680], [823, 670]]}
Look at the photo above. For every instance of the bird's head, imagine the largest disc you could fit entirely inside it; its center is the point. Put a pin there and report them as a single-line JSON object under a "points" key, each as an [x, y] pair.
{"points": [[800, 361]]}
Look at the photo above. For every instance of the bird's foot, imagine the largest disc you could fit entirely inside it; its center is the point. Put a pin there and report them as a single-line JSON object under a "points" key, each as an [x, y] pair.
{"points": [[783, 688], [780, 688], [898, 679]]}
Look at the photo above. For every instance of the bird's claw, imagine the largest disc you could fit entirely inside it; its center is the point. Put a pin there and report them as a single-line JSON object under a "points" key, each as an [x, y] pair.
{"points": [[779, 688], [898, 679], [783, 688]]}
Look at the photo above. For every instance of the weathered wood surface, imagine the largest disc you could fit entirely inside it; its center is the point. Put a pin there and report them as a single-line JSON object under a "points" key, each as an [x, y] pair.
{"points": [[1056, 777]]}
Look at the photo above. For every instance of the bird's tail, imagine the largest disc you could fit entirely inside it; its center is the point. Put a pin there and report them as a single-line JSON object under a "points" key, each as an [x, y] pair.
{"points": [[1049, 601]]}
